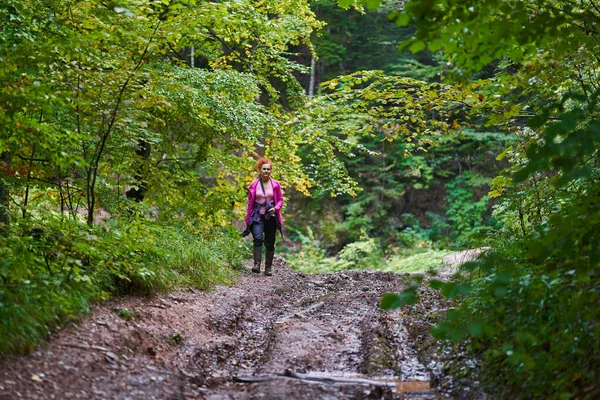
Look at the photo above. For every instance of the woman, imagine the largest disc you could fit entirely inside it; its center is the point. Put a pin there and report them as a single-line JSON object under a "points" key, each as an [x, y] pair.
{"points": [[264, 216]]}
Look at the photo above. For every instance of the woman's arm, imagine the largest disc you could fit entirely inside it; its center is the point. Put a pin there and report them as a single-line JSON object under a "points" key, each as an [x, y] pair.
{"points": [[251, 197], [278, 196]]}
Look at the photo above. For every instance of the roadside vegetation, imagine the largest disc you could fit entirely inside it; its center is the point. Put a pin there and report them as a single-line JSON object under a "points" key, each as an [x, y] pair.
{"points": [[527, 310], [128, 132]]}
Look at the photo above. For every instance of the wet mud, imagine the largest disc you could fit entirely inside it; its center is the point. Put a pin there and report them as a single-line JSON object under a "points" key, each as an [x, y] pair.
{"points": [[288, 336]]}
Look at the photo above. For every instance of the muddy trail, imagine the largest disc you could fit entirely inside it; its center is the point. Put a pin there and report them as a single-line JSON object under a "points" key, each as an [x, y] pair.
{"points": [[289, 336]]}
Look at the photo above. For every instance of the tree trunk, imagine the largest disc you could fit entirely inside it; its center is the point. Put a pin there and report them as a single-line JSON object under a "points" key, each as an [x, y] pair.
{"points": [[313, 72], [5, 164], [28, 180], [143, 151]]}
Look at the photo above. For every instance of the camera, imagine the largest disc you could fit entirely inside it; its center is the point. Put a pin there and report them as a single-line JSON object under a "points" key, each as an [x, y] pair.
{"points": [[247, 231], [268, 215]]}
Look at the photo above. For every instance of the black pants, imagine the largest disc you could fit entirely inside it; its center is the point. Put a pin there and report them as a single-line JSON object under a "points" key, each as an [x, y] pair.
{"points": [[264, 232]]}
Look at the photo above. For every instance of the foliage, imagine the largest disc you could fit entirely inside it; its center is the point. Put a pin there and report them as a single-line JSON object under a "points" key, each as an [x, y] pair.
{"points": [[365, 254], [473, 34], [362, 254], [105, 81], [531, 312], [408, 200], [466, 214], [342, 47], [105, 123], [429, 260], [311, 258], [52, 269], [371, 104], [382, 129], [125, 313], [175, 338], [414, 238]]}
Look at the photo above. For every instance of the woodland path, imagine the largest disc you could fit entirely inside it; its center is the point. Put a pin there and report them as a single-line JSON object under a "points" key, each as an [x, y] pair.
{"points": [[289, 336]]}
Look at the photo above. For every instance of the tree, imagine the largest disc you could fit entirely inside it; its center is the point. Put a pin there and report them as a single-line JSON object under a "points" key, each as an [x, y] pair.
{"points": [[86, 86], [526, 314], [88, 79]]}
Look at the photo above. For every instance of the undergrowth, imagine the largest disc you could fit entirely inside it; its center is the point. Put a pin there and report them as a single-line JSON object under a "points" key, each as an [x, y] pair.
{"points": [[52, 270], [419, 262], [365, 254], [531, 312]]}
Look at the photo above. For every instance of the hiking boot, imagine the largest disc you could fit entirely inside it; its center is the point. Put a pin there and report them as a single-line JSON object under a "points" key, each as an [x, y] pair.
{"points": [[257, 259], [269, 254]]}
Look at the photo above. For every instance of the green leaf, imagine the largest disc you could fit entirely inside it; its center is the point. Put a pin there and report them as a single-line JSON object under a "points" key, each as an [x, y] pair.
{"points": [[478, 328], [417, 46], [403, 20], [456, 335], [500, 291], [450, 289], [393, 16], [373, 4], [435, 45], [516, 54], [345, 3], [391, 301]]}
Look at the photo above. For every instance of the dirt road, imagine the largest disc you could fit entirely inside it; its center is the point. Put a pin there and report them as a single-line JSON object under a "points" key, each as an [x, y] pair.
{"points": [[289, 336]]}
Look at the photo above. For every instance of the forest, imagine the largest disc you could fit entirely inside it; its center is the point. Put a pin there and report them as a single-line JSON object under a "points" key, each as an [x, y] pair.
{"points": [[399, 130]]}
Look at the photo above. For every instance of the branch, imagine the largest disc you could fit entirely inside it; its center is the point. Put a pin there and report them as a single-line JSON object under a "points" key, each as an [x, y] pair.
{"points": [[31, 159], [579, 79], [178, 55], [572, 22], [53, 183], [26, 199], [595, 6], [231, 50], [533, 116], [94, 167], [413, 387], [175, 159]]}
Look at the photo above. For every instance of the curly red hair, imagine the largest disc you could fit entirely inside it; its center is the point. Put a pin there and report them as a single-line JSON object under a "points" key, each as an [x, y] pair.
{"points": [[262, 161]]}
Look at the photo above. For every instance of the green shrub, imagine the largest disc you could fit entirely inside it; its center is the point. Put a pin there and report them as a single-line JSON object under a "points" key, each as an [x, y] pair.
{"points": [[467, 214], [311, 257], [52, 270], [45, 279], [365, 254], [532, 313], [419, 262], [125, 314], [201, 262]]}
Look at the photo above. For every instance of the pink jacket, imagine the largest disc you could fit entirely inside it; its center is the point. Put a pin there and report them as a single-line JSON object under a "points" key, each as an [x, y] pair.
{"points": [[277, 199]]}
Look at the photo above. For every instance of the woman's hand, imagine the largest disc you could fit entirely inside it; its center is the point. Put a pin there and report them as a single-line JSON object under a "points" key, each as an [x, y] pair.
{"points": [[271, 210]]}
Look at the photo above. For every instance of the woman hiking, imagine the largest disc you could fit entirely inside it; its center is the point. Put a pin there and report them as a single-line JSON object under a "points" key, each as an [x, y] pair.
{"points": [[264, 216]]}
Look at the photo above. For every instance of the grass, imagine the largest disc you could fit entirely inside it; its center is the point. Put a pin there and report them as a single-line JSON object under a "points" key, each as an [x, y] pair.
{"points": [[55, 277], [365, 255], [416, 263]]}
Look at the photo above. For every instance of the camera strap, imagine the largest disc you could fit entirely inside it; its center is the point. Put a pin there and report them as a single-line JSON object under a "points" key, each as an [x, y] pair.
{"points": [[264, 194], [263, 189]]}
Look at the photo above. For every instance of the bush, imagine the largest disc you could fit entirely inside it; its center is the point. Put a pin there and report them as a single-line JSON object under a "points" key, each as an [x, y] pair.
{"points": [[365, 254], [419, 262], [53, 270], [532, 313], [311, 257], [418, 254]]}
